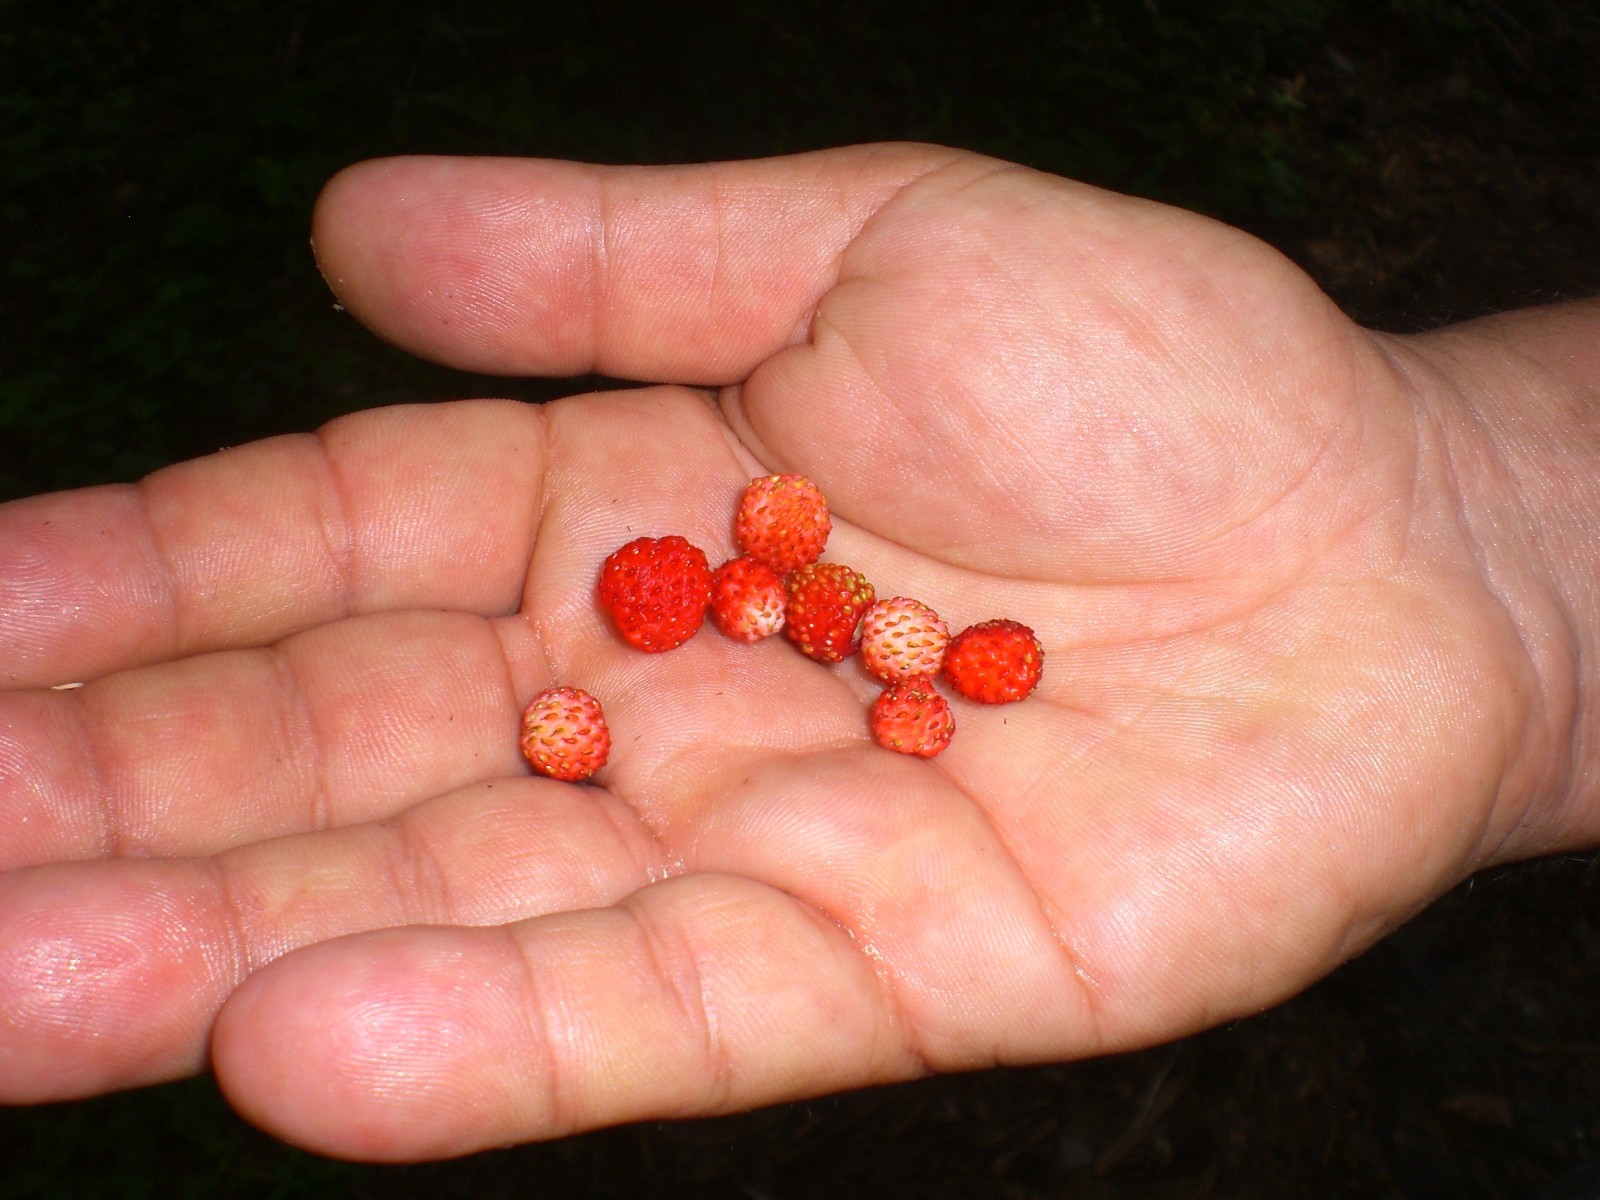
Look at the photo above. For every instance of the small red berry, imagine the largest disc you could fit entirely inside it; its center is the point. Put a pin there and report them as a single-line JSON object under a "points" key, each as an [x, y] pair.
{"points": [[657, 591], [994, 662], [901, 638], [826, 601], [564, 734], [747, 599], [783, 521], [911, 717]]}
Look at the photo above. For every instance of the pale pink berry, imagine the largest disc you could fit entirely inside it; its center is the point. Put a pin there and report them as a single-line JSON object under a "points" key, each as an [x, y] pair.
{"points": [[902, 638], [748, 600]]}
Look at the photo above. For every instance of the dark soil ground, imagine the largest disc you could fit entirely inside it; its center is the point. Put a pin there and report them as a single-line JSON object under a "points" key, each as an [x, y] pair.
{"points": [[1450, 181], [1434, 178]]}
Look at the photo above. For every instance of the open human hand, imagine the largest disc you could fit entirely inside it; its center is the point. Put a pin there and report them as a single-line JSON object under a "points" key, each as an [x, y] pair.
{"points": [[284, 828]]}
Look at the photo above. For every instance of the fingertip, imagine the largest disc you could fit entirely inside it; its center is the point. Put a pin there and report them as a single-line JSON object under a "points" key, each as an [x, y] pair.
{"points": [[390, 241], [378, 1047], [335, 231], [422, 1043]]}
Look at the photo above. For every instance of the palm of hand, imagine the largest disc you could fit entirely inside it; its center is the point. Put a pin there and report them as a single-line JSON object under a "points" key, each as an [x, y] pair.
{"points": [[1141, 433]]}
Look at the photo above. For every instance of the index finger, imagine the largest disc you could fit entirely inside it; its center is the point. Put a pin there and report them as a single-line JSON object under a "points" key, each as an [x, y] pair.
{"points": [[432, 506]]}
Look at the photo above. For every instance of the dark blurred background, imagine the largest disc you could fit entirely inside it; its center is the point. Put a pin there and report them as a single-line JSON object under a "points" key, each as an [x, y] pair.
{"points": [[1425, 160]]}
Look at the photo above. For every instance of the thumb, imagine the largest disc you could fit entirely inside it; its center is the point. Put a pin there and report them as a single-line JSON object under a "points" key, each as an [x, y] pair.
{"points": [[682, 274], [1025, 375]]}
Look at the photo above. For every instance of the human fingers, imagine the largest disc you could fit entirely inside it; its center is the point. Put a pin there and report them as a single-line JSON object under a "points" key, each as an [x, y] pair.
{"points": [[698, 995], [353, 721], [687, 274], [357, 718], [112, 972], [415, 507]]}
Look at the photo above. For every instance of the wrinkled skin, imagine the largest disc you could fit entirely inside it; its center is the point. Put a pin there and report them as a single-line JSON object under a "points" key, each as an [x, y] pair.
{"points": [[284, 829]]}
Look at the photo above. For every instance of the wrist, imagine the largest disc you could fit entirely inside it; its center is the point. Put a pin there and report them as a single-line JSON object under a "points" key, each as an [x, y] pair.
{"points": [[1517, 398]]}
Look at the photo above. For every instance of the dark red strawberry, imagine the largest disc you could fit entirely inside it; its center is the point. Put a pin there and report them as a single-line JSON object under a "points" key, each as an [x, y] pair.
{"points": [[657, 591], [826, 601]]}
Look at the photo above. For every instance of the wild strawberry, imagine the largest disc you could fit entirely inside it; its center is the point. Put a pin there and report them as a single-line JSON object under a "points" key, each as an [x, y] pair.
{"points": [[901, 638], [994, 662], [657, 591], [826, 601], [747, 599], [911, 717], [564, 734], [783, 521]]}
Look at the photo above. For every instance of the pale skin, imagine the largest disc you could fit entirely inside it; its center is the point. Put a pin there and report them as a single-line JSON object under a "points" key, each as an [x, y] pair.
{"points": [[1317, 606]]}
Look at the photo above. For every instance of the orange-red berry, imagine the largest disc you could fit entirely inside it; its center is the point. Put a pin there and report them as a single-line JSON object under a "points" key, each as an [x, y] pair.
{"points": [[747, 599], [911, 717], [783, 521], [994, 662], [564, 734]]}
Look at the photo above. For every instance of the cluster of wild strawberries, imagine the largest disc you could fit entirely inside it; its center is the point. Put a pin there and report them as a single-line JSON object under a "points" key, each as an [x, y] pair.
{"points": [[658, 591]]}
